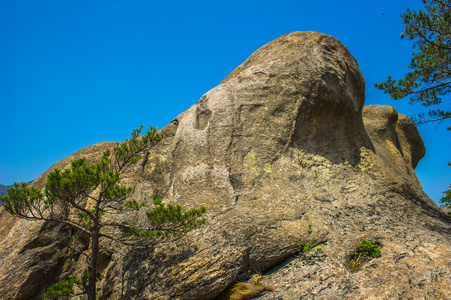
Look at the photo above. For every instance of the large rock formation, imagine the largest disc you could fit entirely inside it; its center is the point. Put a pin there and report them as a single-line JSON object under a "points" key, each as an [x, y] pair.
{"points": [[278, 145]]}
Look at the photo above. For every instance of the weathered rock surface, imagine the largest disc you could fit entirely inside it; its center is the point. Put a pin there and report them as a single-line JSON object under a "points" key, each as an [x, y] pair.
{"points": [[278, 145]]}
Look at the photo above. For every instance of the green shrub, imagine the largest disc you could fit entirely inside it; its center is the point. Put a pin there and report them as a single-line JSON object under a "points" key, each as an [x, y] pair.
{"points": [[304, 247], [368, 248], [366, 251]]}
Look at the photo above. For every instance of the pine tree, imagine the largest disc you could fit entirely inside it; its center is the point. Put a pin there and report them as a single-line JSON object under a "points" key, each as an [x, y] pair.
{"points": [[430, 78], [81, 196]]}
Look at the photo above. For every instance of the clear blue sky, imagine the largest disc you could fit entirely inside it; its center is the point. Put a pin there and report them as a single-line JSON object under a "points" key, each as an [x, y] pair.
{"points": [[75, 73]]}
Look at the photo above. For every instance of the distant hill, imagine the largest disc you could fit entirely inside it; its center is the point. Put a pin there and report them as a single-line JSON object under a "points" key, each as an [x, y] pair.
{"points": [[3, 189]]}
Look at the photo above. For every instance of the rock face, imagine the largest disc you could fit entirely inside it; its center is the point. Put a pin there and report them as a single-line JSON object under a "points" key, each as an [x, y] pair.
{"points": [[280, 144]]}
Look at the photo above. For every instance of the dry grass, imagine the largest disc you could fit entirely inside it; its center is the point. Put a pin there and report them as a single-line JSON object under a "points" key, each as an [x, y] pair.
{"points": [[250, 289]]}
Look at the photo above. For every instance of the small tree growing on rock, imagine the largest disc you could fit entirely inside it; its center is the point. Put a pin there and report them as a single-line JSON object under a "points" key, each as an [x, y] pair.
{"points": [[430, 78], [81, 196]]}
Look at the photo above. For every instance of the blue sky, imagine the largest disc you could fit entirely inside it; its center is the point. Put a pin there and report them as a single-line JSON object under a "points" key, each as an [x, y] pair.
{"points": [[75, 73]]}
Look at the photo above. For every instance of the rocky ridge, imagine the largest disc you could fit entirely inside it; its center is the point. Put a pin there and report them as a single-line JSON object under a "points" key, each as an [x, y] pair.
{"points": [[283, 142]]}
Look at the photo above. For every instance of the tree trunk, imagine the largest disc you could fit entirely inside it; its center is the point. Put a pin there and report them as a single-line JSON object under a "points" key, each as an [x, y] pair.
{"points": [[92, 268]]}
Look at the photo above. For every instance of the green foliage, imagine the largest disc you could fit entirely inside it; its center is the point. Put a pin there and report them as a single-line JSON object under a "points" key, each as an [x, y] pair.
{"points": [[132, 205], [167, 220], [447, 198], [21, 198], [64, 288], [80, 197], [429, 80], [304, 247], [366, 250], [260, 274], [162, 214]]}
